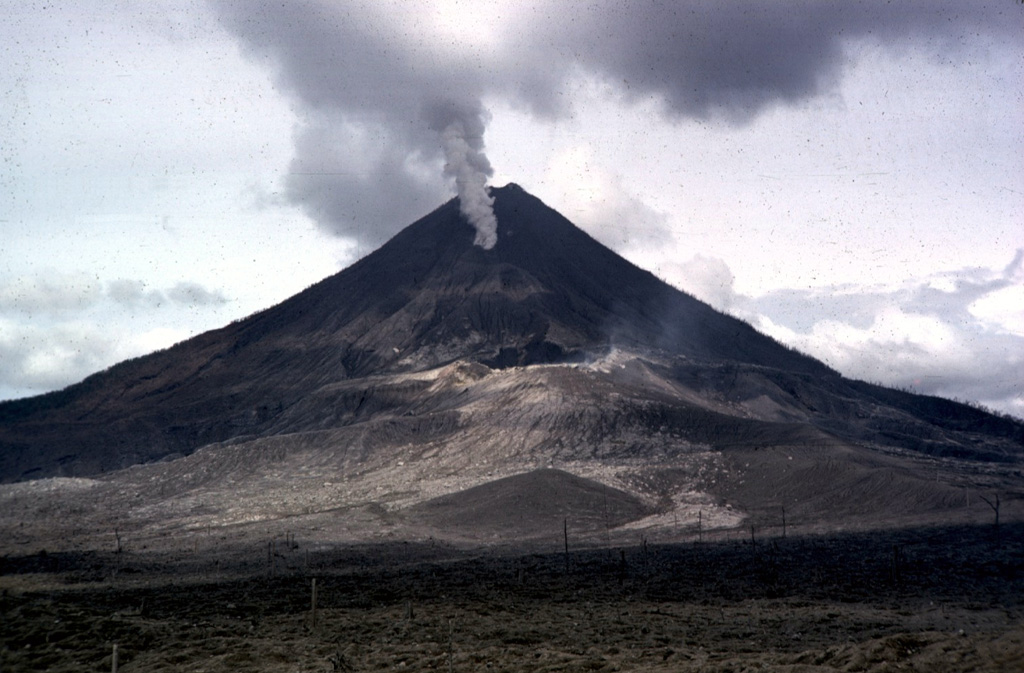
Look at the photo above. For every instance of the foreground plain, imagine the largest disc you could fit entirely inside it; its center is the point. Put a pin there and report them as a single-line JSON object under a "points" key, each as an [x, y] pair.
{"points": [[921, 599]]}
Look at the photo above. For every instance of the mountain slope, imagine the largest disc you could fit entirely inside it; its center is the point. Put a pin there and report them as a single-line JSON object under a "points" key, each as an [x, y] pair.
{"points": [[340, 354]]}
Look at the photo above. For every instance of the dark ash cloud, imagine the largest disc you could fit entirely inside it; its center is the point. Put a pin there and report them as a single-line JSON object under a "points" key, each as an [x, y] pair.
{"points": [[369, 153]]}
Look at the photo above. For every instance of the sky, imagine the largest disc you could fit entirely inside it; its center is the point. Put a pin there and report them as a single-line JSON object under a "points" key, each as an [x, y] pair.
{"points": [[847, 177]]}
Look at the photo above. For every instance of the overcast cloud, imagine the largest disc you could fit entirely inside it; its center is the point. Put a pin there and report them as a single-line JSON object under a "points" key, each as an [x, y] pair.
{"points": [[846, 176]]}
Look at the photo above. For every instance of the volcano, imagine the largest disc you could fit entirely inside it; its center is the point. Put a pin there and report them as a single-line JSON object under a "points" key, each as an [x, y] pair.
{"points": [[432, 367]]}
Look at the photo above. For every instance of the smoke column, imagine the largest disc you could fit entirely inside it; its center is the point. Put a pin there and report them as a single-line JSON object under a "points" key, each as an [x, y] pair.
{"points": [[463, 142]]}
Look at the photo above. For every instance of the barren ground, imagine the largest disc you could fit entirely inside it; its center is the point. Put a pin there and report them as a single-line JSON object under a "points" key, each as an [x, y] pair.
{"points": [[924, 599]]}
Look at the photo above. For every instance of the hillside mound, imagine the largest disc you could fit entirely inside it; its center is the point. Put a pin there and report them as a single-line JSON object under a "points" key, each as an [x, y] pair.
{"points": [[532, 504]]}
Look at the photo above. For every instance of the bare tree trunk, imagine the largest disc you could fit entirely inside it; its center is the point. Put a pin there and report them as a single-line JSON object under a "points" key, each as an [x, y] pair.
{"points": [[995, 508]]}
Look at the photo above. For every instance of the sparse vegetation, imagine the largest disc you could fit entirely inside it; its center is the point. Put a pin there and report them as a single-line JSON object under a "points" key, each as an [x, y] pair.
{"points": [[928, 599]]}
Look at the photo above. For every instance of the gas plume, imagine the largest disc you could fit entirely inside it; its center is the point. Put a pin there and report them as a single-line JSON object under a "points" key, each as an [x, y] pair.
{"points": [[463, 143]]}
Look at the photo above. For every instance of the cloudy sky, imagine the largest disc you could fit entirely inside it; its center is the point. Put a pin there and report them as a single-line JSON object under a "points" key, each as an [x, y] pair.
{"points": [[848, 177]]}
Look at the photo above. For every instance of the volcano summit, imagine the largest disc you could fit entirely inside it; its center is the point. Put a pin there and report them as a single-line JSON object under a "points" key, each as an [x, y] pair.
{"points": [[434, 367]]}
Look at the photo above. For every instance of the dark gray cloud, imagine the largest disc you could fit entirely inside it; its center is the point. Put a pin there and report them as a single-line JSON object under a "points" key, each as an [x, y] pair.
{"points": [[369, 154], [56, 293], [339, 180], [64, 295], [133, 293], [194, 294], [735, 58]]}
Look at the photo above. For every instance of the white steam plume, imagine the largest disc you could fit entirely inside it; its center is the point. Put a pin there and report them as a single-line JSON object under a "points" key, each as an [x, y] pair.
{"points": [[462, 138]]}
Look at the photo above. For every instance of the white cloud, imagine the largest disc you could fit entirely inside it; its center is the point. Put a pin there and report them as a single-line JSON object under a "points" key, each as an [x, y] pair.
{"points": [[596, 199], [954, 334], [56, 330], [37, 359], [897, 348], [149, 341], [958, 334], [1003, 309], [707, 278]]}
